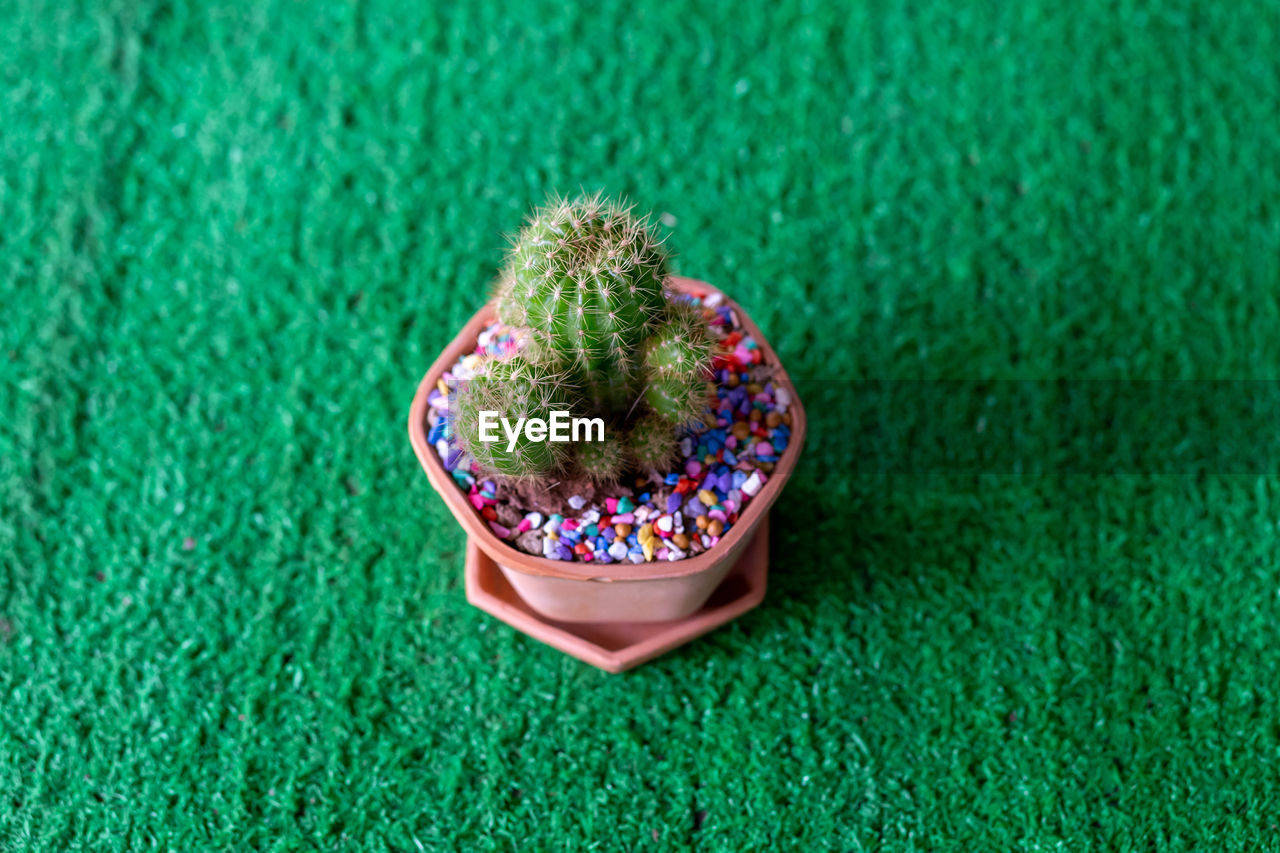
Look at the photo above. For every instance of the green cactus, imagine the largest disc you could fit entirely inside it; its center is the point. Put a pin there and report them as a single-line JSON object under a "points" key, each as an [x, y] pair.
{"points": [[601, 461], [585, 278], [516, 388], [652, 442]]}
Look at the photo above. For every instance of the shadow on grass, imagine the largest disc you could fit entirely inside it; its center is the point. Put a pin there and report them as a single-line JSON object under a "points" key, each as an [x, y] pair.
{"points": [[924, 476]]}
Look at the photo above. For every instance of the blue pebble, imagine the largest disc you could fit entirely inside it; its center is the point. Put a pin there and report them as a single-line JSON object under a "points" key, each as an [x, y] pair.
{"points": [[437, 432], [644, 499], [603, 557], [608, 534], [673, 502], [730, 458], [739, 477], [633, 541], [565, 552], [671, 479], [780, 443]]}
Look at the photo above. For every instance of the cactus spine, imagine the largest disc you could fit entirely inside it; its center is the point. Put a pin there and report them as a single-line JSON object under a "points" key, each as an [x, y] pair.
{"points": [[585, 277]]}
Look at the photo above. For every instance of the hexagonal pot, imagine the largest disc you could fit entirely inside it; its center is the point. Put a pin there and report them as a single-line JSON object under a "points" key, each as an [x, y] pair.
{"points": [[574, 591]]}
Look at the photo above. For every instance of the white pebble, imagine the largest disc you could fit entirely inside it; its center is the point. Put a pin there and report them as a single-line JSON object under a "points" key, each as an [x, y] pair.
{"points": [[753, 484], [782, 396], [549, 547], [674, 553], [591, 516], [577, 501], [534, 519], [636, 558], [686, 446], [663, 523], [713, 299], [618, 550], [551, 526]]}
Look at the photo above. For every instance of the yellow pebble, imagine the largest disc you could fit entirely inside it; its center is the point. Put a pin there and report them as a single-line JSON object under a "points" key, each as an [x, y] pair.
{"points": [[444, 389], [645, 534], [647, 545], [754, 387], [708, 498]]}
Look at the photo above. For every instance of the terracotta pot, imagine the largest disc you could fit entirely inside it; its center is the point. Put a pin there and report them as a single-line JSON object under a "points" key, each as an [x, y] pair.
{"points": [[614, 592]]}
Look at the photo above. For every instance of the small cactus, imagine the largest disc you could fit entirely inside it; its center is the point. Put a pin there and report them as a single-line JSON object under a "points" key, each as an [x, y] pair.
{"points": [[652, 442], [518, 388], [586, 277]]}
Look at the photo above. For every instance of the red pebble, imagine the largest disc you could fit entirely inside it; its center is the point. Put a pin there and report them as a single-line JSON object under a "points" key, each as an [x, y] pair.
{"points": [[581, 548], [489, 513]]}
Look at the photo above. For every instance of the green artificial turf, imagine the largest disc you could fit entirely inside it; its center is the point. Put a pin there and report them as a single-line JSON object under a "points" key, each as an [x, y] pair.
{"points": [[234, 236]]}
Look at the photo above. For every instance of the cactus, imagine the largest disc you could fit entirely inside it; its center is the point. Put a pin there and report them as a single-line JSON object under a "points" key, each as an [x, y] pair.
{"points": [[601, 461], [652, 442], [517, 388], [585, 278]]}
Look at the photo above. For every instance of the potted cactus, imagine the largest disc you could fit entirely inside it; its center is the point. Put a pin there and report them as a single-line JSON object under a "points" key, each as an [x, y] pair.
{"points": [[609, 435]]}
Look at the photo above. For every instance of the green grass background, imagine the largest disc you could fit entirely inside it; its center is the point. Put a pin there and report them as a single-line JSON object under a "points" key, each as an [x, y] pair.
{"points": [[234, 235]]}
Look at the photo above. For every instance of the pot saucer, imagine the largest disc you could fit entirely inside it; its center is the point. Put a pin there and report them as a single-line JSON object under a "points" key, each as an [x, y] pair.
{"points": [[619, 646]]}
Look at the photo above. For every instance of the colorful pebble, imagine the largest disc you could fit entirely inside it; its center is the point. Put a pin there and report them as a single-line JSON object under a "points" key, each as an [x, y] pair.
{"points": [[721, 469]]}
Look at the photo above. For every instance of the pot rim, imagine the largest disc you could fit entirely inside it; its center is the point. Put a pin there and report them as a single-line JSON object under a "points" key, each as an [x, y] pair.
{"points": [[513, 558]]}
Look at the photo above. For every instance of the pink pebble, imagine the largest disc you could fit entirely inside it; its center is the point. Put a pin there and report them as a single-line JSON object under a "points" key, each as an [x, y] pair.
{"points": [[625, 518], [693, 468], [611, 504], [717, 514], [764, 448], [523, 525], [500, 531], [731, 442], [569, 524], [477, 501]]}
